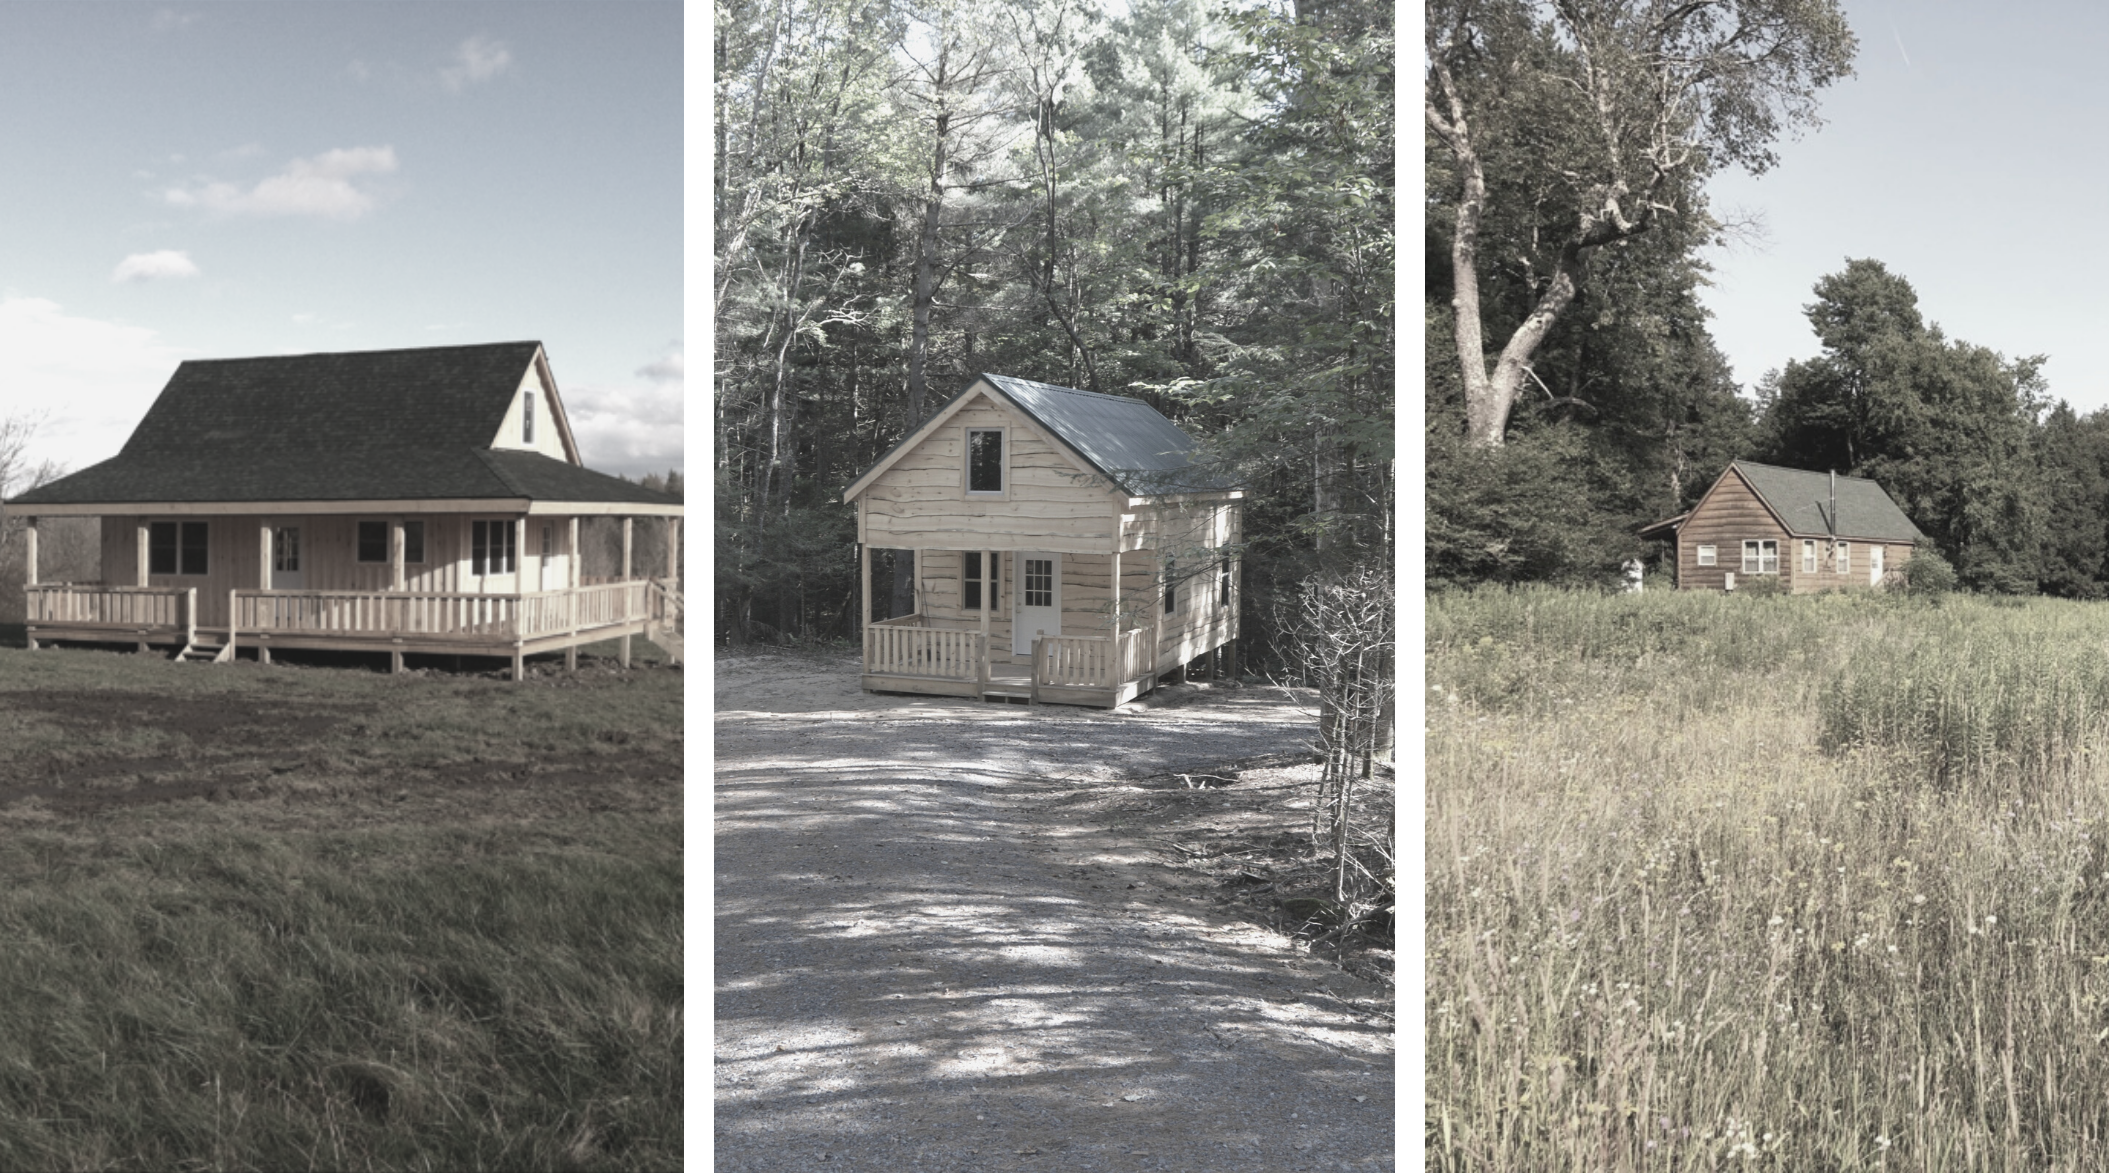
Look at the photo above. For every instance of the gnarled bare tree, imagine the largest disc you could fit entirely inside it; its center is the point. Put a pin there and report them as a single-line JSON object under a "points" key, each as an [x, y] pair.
{"points": [[1624, 107]]}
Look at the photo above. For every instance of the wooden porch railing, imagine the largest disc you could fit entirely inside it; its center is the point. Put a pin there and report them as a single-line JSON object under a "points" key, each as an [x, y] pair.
{"points": [[894, 649], [173, 608], [1074, 661], [438, 614]]}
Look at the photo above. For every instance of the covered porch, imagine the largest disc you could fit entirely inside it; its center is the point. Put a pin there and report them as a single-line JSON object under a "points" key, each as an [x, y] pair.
{"points": [[1064, 628]]}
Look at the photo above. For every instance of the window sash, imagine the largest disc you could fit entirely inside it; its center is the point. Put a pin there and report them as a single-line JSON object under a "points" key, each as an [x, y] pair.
{"points": [[285, 549], [970, 580], [1808, 555], [161, 547], [1039, 582], [373, 541], [413, 543], [195, 544], [1171, 586], [1760, 556], [1707, 556], [1845, 557], [527, 418], [1223, 583], [491, 549], [984, 460]]}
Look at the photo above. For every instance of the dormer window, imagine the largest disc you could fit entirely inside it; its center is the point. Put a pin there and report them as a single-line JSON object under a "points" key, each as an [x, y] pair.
{"points": [[527, 418], [984, 460]]}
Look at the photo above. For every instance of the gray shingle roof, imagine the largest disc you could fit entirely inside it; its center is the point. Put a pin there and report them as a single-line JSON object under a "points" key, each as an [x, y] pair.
{"points": [[364, 425], [1124, 439], [1802, 499]]}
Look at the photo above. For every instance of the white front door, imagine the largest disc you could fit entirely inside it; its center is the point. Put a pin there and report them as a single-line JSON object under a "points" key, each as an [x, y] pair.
{"points": [[1874, 565], [1039, 600], [286, 574]]}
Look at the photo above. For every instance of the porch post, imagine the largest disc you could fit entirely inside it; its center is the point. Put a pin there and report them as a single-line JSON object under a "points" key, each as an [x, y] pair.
{"points": [[626, 524], [571, 583], [673, 551], [988, 601], [141, 575], [395, 558], [263, 583], [29, 605], [1113, 680], [1157, 609]]}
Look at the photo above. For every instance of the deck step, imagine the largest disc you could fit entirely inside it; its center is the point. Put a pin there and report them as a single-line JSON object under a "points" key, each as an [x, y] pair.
{"points": [[667, 639], [199, 653]]}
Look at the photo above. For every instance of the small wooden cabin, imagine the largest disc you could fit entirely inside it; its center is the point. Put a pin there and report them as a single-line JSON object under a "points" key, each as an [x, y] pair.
{"points": [[1065, 549], [1810, 531], [393, 501]]}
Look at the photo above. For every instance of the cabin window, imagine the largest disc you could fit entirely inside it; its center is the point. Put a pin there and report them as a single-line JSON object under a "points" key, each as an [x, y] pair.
{"points": [[1706, 556], [176, 547], [549, 540], [373, 541], [285, 549], [970, 580], [1223, 582], [1039, 582], [1845, 557], [1171, 586], [1808, 555], [414, 543], [1761, 557], [527, 418], [491, 549], [984, 460]]}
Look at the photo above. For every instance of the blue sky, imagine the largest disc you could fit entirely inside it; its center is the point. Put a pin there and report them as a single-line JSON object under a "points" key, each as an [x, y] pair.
{"points": [[1965, 156], [218, 180]]}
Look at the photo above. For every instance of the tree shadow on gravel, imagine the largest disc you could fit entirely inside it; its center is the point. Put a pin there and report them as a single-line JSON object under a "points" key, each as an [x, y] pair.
{"points": [[922, 964]]}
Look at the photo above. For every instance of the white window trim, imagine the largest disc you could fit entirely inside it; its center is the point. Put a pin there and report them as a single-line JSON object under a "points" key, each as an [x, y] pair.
{"points": [[1808, 555], [966, 462], [1842, 557], [1708, 555], [1754, 555]]}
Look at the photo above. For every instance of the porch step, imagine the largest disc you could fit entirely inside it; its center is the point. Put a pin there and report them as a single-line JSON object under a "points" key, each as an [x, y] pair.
{"points": [[1008, 695], [667, 639], [200, 653]]}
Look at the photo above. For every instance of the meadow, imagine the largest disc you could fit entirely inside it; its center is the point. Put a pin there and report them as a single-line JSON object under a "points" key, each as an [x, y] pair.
{"points": [[1722, 882], [319, 917]]}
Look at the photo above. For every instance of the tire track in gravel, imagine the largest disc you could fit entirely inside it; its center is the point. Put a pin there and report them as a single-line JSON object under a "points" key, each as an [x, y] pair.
{"points": [[918, 970]]}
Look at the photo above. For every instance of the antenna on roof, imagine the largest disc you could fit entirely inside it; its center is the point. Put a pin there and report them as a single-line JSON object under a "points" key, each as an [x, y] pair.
{"points": [[1832, 520]]}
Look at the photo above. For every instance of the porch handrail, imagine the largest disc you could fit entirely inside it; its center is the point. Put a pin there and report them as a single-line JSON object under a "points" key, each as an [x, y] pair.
{"points": [[912, 619], [129, 608], [1076, 661], [922, 651]]}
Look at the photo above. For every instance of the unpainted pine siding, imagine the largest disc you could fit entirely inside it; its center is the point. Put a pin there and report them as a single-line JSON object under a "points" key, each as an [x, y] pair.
{"points": [[1855, 577], [1048, 504], [329, 557], [1730, 515]]}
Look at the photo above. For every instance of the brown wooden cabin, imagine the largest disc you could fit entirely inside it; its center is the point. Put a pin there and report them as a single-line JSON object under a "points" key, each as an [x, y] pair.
{"points": [[1811, 531], [1065, 549], [396, 501]]}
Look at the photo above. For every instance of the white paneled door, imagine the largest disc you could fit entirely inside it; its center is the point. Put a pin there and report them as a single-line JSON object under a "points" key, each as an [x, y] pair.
{"points": [[1038, 609]]}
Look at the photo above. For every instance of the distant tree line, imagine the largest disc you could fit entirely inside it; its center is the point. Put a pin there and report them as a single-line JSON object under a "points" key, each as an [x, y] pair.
{"points": [[1184, 204]]}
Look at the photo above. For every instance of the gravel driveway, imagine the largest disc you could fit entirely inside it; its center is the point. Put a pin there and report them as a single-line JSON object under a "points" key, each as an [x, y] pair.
{"points": [[922, 964]]}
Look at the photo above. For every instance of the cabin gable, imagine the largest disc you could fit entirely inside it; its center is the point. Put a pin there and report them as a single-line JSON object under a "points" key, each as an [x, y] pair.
{"points": [[534, 420]]}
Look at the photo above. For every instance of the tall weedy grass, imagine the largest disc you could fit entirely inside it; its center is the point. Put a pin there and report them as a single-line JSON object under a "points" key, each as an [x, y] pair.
{"points": [[1816, 883]]}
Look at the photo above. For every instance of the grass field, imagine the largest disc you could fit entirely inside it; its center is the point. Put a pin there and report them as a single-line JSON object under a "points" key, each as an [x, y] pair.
{"points": [[1813, 883], [306, 917]]}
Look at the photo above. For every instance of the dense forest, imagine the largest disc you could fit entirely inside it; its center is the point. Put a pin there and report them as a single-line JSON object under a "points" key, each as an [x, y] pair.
{"points": [[1574, 393], [1184, 203]]}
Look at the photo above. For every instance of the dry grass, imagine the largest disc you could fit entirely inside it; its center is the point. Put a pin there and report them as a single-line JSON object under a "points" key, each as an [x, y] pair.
{"points": [[1766, 883], [303, 917]]}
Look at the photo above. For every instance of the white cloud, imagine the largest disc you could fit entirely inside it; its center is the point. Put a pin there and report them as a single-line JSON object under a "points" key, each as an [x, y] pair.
{"points": [[669, 367], [477, 59], [630, 430], [91, 380], [155, 265], [322, 186]]}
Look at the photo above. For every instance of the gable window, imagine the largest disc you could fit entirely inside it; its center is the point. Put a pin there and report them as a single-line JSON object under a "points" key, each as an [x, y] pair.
{"points": [[373, 541], [984, 460], [1706, 556], [527, 418], [970, 581], [491, 547], [414, 543], [1808, 555], [176, 547], [1761, 557]]}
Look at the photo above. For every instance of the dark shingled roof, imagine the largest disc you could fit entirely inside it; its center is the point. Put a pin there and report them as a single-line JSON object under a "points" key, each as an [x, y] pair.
{"points": [[1802, 499], [358, 426]]}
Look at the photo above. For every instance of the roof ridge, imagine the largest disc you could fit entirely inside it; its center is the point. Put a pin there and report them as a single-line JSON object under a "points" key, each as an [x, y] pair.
{"points": [[1059, 387], [350, 353], [1843, 476]]}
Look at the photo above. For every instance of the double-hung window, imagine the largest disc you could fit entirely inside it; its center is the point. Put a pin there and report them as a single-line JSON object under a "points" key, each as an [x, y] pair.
{"points": [[984, 460], [1223, 582], [1706, 556], [373, 541], [491, 548], [1171, 587], [1845, 557], [1761, 556], [970, 580], [176, 547], [1808, 555]]}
